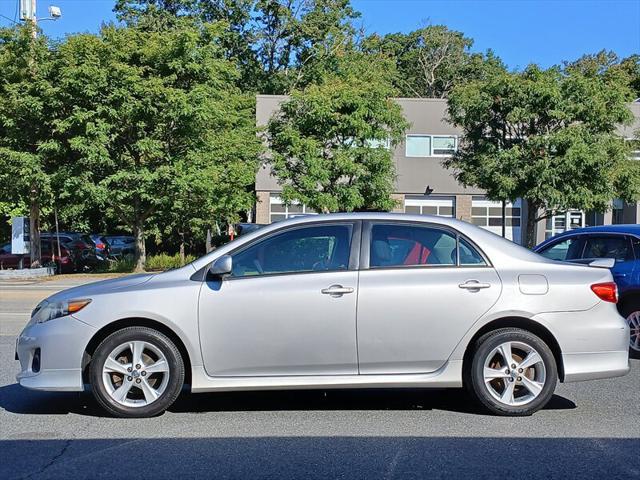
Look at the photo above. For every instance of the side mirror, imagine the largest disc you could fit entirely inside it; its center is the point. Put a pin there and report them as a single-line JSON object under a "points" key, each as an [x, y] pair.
{"points": [[221, 266]]}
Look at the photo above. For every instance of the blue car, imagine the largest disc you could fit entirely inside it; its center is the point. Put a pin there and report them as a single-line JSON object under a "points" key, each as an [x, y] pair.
{"points": [[619, 242]]}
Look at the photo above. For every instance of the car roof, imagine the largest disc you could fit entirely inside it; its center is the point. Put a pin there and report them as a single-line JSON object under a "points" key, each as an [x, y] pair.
{"points": [[629, 229], [632, 229], [497, 249]]}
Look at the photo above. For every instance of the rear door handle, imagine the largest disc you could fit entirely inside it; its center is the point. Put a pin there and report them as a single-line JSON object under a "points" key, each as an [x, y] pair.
{"points": [[473, 285], [337, 290]]}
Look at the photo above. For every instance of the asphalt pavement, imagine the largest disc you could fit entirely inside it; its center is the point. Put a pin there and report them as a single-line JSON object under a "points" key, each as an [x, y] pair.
{"points": [[589, 430]]}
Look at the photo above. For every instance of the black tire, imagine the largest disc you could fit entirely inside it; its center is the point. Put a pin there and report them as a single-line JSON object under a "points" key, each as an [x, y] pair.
{"points": [[474, 376], [627, 308], [161, 342]]}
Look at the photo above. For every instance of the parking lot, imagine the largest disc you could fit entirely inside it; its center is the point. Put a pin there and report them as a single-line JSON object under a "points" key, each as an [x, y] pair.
{"points": [[589, 430]]}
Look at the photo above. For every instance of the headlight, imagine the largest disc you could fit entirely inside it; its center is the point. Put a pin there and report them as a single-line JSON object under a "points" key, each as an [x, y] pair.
{"points": [[49, 310]]}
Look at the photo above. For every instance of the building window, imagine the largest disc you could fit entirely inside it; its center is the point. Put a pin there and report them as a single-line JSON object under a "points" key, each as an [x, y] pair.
{"points": [[430, 145], [617, 212], [488, 214], [430, 205], [279, 211], [564, 222], [373, 143], [418, 146], [444, 146]]}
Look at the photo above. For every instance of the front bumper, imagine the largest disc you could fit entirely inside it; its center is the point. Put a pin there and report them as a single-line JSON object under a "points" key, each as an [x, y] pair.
{"points": [[61, 343]]}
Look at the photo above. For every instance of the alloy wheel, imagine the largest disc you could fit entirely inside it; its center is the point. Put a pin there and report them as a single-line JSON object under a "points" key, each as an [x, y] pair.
{"points": [[634, 324], [135, 373], [514, 373]]}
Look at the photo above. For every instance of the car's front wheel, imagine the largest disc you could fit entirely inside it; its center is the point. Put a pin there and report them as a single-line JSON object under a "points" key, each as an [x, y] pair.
{"points": [[513, 372], [136, 372]]}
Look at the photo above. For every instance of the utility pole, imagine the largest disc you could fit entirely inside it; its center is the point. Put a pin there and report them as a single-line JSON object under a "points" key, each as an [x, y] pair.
{"points": [[28, 13]]}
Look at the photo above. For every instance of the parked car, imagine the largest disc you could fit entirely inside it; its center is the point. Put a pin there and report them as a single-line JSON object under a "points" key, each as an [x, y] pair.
{"points": [[81, 246], [335, 301], [64, 263], [121, 246], [244, 228], [101, 245], [619, 242]]}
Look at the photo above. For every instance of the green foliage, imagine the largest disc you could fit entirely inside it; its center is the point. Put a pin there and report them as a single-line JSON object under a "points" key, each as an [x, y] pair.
{"points": [[163, 261], [322, 142], [121, 265], [26, 110], [607, 64], [430, 61], [274, 41], [547, 136], [152, 128]]}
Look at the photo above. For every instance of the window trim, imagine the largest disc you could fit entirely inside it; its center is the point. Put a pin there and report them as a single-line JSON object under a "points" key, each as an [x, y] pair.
{"points": [[365, 248], [354, 252]]}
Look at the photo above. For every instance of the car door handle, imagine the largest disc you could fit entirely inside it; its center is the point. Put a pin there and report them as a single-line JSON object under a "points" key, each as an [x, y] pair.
{"points": [[473, 285], [337, 290]]}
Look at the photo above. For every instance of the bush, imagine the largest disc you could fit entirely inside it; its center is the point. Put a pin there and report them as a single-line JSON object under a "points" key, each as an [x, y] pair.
{"points": [[122, 265], [163, 261]]}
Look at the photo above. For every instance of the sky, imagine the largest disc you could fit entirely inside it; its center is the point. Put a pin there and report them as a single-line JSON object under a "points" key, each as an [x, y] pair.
{"points": [[520, 32]]}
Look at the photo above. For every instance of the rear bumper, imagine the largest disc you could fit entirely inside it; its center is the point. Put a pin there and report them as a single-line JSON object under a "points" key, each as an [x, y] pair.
{"points": [[594, 343], [595, 365]]}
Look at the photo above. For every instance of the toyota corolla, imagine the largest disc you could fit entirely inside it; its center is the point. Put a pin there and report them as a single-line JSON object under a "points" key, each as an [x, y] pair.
{"points": [[335, 301]]}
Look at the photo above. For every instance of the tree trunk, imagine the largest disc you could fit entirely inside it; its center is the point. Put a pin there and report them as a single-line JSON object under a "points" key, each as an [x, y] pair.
{"points": [[207, 245], [141, 252], [35, 253], [182, 248], [530, 227]]}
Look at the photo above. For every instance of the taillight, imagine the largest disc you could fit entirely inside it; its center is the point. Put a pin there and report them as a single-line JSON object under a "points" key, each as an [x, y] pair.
{"points": [[100, 245], [607, 291]]}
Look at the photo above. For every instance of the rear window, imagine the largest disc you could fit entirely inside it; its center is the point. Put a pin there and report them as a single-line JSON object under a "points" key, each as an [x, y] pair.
{"points": [[618, 247]]}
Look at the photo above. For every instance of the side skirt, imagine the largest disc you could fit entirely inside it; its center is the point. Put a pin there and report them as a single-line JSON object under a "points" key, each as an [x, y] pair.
{"points": [[448, 376]]}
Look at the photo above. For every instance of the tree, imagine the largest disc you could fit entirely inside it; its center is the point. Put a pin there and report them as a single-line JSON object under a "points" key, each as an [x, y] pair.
{"points": [[430, 61], [26, 108], [273, 41], [546, 136], [328, 143], [608, 64], [142, 114]]}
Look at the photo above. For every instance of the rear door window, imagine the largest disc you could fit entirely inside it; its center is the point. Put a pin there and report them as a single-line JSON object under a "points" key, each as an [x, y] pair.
{"points": [[564, 250], [396, 245]]}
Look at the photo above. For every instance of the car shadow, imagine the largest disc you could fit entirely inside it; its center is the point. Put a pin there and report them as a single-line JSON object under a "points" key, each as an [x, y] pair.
{"points": [[16, 399]]}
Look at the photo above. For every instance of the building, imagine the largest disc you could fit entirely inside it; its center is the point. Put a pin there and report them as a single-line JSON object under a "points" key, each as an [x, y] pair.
{"points": [[424, 186]]}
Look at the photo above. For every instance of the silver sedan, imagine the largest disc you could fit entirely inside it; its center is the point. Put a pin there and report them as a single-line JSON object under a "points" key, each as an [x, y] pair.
{"points": [[335, 301]]}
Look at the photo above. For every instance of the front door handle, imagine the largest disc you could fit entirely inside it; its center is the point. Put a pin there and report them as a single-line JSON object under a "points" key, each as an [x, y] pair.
{"points": [[473, 285], [337, 290]]}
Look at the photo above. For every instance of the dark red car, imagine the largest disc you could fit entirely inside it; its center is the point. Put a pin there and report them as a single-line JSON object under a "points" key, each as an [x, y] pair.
{"points": [[64, 263]]}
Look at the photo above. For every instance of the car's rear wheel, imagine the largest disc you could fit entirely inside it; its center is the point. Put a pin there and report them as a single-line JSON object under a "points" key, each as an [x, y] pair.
{"points": [[632, 314], [136, 372], [512, 373]]}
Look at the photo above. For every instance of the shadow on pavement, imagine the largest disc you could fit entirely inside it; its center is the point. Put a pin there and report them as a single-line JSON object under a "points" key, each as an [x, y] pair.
{"points": [[321, 457], [16, 399]]}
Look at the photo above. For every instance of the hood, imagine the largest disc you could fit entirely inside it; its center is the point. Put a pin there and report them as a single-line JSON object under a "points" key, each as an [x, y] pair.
{"points": [[103, 286]]}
